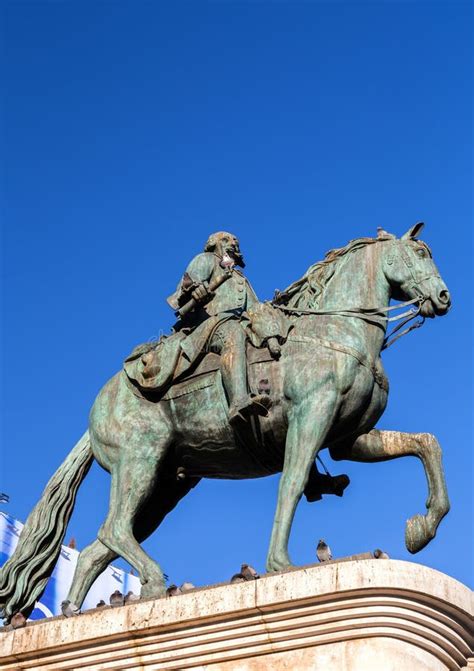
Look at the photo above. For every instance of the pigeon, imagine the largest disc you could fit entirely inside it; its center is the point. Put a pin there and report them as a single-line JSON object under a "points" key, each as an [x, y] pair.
{"points": [[173, 590], [380, 554], [130, 596], [69, 609], [248, 572], [323, 551], [116, 599], [187, 587], [18, 620], [237, 577], [101, 604]]}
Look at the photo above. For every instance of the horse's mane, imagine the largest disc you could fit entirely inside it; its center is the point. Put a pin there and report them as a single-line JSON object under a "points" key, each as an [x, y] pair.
{"points": [[306, 293]]}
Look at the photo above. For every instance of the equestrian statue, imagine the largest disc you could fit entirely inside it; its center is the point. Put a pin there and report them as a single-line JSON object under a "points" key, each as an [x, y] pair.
{"points": [[243, 389]]}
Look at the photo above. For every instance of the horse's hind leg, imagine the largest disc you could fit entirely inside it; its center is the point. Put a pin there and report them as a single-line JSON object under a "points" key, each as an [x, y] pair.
{"points": [[95, 558], [384, 445], [140, 499], [133, 483], [92, 560]]}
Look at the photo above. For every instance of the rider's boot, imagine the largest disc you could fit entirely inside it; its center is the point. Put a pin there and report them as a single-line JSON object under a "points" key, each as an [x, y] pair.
{"points": [[234, 376]]}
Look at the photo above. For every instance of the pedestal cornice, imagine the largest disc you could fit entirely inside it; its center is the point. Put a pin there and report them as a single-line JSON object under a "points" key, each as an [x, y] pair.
{"points": [[337, 613]]}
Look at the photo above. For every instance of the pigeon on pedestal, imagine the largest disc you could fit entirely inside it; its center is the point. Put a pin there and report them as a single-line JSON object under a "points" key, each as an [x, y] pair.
{"points": [[18, 620], [130, 596], [69, 609], [173, 590], [380, 554], [116, 598], [323, 551], [237, 577], [248, 572]]}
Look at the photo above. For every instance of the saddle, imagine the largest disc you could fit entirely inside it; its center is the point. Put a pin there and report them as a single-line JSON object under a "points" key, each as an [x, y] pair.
{"points": [[155, 367], [152, 367]]}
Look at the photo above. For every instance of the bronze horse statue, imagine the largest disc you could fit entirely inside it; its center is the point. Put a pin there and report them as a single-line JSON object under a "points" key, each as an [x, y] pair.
{"points": [[328, 390]]}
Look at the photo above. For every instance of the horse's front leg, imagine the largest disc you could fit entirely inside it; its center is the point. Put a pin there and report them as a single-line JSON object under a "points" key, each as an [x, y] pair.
{"points": [[309, 422], [384, 445]]}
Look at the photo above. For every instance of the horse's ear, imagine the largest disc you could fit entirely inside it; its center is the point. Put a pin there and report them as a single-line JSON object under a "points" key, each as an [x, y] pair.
{"points": [[413, 232]]}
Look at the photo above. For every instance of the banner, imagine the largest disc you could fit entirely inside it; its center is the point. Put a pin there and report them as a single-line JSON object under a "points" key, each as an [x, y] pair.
{"points": [[58, 585]]}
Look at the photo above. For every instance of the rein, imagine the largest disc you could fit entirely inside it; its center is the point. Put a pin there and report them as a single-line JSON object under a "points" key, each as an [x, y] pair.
{"points": [[361, 313], [380, 315], [374, 315]]}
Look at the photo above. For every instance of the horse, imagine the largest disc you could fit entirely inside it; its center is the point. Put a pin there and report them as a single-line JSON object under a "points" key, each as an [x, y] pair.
{"points": [[328, 391]]}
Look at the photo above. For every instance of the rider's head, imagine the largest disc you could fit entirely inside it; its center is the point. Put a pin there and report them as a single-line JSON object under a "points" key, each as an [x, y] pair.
{"points": [[221, 243]]}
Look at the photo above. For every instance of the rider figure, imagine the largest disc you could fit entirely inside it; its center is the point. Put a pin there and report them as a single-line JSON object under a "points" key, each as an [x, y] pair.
{"points": [[220, 315], [217, 323]]}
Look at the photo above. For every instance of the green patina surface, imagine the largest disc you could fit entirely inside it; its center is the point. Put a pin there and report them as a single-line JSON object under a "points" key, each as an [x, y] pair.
{"points": [[314, 381]]}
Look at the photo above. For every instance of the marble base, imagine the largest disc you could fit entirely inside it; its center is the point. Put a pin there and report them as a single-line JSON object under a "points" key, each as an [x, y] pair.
{"points": [[371, 614]]}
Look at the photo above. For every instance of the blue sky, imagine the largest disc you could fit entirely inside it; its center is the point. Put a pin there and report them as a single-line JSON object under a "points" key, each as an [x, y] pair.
{"points": [[133, 130]]}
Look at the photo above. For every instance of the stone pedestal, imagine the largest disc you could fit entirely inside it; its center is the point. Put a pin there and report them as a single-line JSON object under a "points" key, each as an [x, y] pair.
{"points": [[366, 615]]}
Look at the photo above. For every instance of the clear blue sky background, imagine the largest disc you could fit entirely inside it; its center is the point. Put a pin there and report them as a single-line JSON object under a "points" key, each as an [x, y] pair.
{"points": [[133, 130]]}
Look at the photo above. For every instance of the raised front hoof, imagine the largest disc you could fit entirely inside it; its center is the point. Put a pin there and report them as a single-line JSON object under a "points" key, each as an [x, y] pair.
{"points": [[152, 590], [417, 534], [69, 609]]}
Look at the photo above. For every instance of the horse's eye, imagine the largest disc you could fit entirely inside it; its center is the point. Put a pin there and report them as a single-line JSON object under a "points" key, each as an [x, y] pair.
{"points": [[421, 253]]}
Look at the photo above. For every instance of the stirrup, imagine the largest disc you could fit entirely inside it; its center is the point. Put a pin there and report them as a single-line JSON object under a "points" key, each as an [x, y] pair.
{"points": [[261, 403], [241, 409]]}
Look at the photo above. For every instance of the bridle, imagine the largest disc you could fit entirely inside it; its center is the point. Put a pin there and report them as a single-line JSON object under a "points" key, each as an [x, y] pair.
{"points": [[379, 315]]}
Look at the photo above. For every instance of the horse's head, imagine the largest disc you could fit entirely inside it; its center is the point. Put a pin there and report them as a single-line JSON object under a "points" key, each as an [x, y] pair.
{"points": [[411, 272]]}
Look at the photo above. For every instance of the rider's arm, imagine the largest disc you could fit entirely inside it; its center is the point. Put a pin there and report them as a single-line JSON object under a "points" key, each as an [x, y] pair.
{"points": [[195, 279]]}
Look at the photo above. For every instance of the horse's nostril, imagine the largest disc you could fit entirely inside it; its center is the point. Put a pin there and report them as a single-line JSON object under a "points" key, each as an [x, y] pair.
{"points": [[444, 296]]}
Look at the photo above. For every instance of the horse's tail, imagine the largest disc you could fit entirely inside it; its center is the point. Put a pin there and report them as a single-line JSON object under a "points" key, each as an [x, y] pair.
{"points": [[24, 576]]}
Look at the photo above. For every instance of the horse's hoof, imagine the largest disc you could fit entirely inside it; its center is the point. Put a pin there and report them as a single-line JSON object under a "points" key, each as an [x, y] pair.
{"points": [[69, 609], [152, 591], [417, 534], [275, 565]]}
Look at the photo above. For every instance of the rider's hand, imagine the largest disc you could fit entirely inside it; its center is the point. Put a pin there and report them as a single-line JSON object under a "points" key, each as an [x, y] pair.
{"points": [[201, 293]]}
